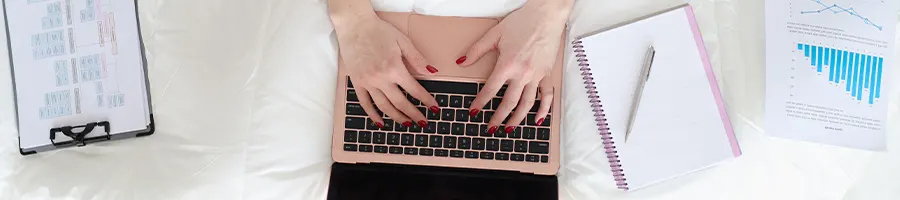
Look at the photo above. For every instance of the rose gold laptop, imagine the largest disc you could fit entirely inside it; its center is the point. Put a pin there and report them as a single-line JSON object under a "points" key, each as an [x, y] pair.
{"points": [[453, 142]]}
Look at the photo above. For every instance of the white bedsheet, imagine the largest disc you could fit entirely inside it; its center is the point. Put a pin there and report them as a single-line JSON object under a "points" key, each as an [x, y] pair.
{"points": [[240, 116]]}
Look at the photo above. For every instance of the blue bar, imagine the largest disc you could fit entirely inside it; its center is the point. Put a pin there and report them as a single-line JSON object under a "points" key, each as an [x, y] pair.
{"points": [[806, 50], [831, 65], [872, 80], [850, 68], [861, 77], [799, 46], [827, 56], [819, 59], [837, 64], [812, 56], [868, 71], [845, 66], [878, 82]]}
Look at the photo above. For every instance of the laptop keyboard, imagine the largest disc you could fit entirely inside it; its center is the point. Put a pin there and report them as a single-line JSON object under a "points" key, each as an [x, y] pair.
{"points": [[450, 133]]}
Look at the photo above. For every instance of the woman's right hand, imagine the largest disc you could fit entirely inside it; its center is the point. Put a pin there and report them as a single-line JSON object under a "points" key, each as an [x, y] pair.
{"points": [[372, 51]]}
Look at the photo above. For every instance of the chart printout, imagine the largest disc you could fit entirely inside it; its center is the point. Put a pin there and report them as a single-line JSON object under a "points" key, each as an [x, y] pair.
{"points": [[827, 70], [75, 62]]}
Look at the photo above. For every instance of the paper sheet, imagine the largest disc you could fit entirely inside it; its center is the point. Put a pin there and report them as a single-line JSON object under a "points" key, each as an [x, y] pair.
{"points": [[827, 63], [75, 62]]}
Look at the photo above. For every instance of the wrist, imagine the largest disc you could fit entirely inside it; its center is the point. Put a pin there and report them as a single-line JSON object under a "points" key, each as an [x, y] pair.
{"points": [[552, 9], [348, 13]]}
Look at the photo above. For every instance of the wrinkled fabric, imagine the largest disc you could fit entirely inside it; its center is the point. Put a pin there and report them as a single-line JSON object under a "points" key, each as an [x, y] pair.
{"points": [[243, 94]]}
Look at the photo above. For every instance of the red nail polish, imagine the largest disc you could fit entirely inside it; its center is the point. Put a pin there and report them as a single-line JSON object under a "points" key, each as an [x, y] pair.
{"points": [[540, 121], [407, 124], [472, 113], [435, 109], [423, 123], [492, 130], [379, 124], [431, 69], [509, 129], [461, 60]]}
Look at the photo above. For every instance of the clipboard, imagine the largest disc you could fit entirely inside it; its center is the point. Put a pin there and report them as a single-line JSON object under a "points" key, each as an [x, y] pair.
{"points": [[62, 23]]}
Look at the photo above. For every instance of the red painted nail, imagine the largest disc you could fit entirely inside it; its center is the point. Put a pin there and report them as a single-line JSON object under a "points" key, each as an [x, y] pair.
{"points": [[431, 69], [435, 109], [472, 113], [461, 60], [423, 123], [379, 124], [492, 130], [509, 129], [540, 121], [407, 124]]}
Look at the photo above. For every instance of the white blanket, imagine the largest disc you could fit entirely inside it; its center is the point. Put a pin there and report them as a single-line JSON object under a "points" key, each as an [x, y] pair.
{"points": [[242, 94]]}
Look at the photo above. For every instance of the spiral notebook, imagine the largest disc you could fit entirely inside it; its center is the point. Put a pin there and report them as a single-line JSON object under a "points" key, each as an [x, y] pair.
{"points": [[681, 125]]}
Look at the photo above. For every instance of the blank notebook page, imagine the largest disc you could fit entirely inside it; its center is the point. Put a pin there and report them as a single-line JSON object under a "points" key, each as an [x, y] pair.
{"points": [[678, 127]]}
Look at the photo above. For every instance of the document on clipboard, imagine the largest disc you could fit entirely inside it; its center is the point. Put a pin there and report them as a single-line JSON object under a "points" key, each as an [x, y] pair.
{"points": [[79, 72]]}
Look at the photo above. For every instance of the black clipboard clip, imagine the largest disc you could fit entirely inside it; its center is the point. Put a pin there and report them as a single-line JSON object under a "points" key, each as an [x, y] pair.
{"points": [[78, 138]]}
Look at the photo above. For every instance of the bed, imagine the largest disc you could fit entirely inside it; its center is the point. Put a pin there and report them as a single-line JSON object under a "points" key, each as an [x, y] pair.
{"points": [[239, 116]]}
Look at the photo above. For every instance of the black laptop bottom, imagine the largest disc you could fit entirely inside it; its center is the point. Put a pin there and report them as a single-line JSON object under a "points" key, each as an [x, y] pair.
{"points": [[402, 182]]}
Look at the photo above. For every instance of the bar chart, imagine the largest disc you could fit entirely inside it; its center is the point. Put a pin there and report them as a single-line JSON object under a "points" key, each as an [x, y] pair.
{"points": [[858, 74]]}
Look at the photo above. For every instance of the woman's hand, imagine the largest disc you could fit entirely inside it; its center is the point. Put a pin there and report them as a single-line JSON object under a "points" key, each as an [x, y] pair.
{"points": [[528, 40], [372, 52]]}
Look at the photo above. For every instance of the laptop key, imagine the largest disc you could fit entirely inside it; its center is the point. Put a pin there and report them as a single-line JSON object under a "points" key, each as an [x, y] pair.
{"points": [[472, 129], [350, 136], [487, 155], [407, 139], [458, 129], [436, 141], [355, 123], [422, 110], [546, 121], [521, 146], [517, 157], [422, 140], [531, 158], [399, 127], [441, 152], [530, 119], [355, 109], [492, 145], [545, 159], [471, 154], [502, 156], [450, 142], [442, 100], [536, 107], [462, 115], [501, 133], [415, 128], [506, 145], [431, 128], [365, 137], [465, 142], [449, 87], [478, 143], [487, 116], [538, 147], [456, 101], [443, 128], [426, 152], [413, 100], [388, 125], [410, 151], [349, 84], [365, 148], [370, 125], [467, 101], [349, 147], [393, 139], [456, 153], [517, 133], [379, 137], [543, 134], [528, 133], [448, 114], [484, 131], [501, 91], [433, 115], [495, 104], [381, 149], [395, 150]]}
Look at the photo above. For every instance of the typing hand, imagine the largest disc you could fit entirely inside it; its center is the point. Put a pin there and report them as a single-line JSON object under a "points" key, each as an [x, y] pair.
{"points": [[373, 52], [528, 41]]}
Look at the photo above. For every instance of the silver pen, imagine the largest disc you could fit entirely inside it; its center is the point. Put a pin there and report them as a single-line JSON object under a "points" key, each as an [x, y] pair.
{"points": [[639, 90]]}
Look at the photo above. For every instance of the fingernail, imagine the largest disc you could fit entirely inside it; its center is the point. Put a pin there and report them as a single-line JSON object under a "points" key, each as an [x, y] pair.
{"points": [[461, 60], [431, 69], [423, 123], [509, 129], [407, 124], [435, 109], [379, 124], [540, 121], [492, 130], [472, 113]]}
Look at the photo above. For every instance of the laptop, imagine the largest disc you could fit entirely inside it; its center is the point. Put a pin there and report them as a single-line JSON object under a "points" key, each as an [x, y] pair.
{"points": [[454, 157]]}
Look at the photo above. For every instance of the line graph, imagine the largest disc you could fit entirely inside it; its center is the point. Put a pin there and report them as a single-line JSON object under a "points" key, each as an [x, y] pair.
{"points": [[836, 9]]}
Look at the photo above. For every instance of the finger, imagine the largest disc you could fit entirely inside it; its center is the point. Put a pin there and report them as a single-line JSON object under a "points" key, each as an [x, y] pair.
{"points": [[401, 103], [477, 50], [385, 105], [546, 103], [510, 99], [416, 60], [490, 89], [366, 103], [415, 89], [525, 104]]}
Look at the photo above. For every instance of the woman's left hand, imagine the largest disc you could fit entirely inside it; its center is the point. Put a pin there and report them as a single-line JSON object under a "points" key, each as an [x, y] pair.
{"points": [[528, 41]]}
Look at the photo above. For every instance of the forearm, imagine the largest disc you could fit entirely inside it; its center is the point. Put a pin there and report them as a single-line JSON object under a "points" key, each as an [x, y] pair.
{"points": [[551, 9], [345, 12]]}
